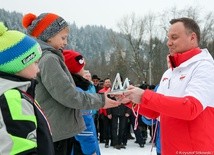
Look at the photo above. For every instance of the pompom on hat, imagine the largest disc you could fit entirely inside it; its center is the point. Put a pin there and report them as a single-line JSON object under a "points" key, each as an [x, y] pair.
{"points": [[17, 50], [73, 60], [43, 27]]}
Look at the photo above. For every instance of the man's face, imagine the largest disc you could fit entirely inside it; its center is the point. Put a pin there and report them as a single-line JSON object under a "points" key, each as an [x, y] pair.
{"points": [[95, 81], [180, 39], [107, 83], [87, 76]]}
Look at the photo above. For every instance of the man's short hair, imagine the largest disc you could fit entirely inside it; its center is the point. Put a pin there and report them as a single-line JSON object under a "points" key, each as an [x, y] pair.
{"points": [[95, 77], [189, 24], [106, 79]]}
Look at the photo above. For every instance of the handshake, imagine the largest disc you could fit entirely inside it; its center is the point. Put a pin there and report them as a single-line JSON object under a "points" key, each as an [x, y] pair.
{"points": [[131, 94], [125, 93]]}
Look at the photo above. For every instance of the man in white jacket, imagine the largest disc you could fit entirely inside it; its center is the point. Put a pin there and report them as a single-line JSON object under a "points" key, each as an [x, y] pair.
{"points": [[184, 100]]}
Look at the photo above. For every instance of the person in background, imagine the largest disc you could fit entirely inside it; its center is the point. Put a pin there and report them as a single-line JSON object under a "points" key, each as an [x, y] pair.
{"points": [[156, 123], [143, 126], [23, 126], [183, 100], [119, 121], [56, 91], [139, 130], [105, 118], [129, 129], [87, 75], [88, 143], [151, 127], [156, 137], [92, 89], [96, 81], [101, 82]]}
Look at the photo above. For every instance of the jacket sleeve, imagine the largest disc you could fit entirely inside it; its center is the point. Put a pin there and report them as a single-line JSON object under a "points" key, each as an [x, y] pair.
{"points": [[186, 108], [58, 82]]}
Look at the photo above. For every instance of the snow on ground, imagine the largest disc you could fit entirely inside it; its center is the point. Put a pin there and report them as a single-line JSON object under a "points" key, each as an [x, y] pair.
{"points": [[131, 149]]}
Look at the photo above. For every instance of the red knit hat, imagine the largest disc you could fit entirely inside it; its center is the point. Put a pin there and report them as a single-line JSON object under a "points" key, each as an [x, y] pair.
{"points": [[73, 60]]}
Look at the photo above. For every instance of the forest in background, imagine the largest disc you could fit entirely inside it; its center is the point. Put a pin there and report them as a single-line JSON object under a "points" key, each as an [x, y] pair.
{"points": [[138, 51]]}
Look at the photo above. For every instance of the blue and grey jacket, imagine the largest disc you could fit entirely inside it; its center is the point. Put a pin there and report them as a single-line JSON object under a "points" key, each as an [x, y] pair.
{"points": [[23, 127], [88, 137]]}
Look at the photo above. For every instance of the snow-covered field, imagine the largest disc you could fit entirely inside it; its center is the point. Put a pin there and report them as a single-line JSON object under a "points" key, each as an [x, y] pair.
{"points": [[131, 149]]}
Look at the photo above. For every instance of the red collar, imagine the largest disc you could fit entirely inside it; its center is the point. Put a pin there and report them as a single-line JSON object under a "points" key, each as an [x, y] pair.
{"points": [[103, 90], [179, 58]]}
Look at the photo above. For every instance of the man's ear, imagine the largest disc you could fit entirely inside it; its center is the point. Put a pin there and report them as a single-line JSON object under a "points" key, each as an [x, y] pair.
{"points": [[193, 36]]}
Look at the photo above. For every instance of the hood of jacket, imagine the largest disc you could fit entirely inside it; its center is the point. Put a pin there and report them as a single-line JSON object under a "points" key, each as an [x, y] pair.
{"points": [[10, 81], [47, 48]]}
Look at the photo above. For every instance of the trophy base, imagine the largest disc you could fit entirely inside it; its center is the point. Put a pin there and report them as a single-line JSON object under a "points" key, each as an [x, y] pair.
{"points": [[117, 92]]}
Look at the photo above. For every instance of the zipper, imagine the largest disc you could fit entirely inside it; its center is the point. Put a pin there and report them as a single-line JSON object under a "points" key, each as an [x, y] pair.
{"points": [[169, 83]]}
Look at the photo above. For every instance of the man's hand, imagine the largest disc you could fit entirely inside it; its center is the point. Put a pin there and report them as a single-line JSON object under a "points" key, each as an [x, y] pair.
{"points": [[132, 94], [127, 114], [109, 116], [109, 103]]}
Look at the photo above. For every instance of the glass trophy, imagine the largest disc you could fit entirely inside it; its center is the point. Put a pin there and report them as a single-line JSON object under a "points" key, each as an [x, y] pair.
{"points": [[117, 87]]}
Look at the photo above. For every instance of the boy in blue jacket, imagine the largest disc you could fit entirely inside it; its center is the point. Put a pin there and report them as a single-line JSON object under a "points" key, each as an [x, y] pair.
{"points": [[87, 143]]}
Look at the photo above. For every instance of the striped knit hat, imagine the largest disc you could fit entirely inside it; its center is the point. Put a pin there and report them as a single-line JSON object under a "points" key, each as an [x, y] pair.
{"points": [[17, 50], [45, 26]]}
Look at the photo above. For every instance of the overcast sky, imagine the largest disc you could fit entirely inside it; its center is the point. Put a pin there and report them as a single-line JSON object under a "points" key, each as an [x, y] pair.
{"points": [[100, 12]]}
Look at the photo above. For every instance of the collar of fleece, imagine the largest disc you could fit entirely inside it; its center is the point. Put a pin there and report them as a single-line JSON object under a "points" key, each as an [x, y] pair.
{"points": [[179, 58], [81, 82]]}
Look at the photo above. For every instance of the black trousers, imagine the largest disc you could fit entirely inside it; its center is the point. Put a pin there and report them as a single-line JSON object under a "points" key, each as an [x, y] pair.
{"points": [[138, 133], [63, 147], [118, 129], [76, 149]]}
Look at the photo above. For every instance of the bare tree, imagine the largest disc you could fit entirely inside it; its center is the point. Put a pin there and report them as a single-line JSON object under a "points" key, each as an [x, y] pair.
{"points": [[207, 32], [132, 30], [145, 42], [117, 62], [140, 49]]}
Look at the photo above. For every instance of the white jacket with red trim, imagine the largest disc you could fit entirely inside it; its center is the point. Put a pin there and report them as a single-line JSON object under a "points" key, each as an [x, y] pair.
{"points": [[185, 101]]}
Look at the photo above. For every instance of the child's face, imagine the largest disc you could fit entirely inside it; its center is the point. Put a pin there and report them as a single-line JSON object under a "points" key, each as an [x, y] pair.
{"points": [[60, 40], [30, 71]]}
